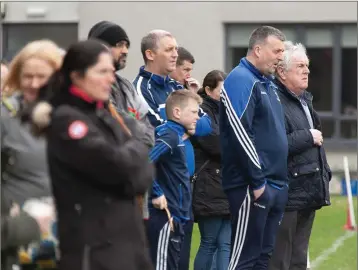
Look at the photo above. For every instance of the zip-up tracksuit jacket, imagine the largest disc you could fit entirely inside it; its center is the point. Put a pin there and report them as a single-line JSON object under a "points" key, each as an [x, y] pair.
{"points": [[155, 90], [172, 174], [252, 130]]}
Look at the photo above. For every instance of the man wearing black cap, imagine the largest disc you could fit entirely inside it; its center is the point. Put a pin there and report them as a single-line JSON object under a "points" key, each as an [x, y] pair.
{"points": [[124, 96]]}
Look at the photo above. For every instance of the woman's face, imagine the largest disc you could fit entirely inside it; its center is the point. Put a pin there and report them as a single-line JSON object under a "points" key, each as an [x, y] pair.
{"points": [[98, 79], [34, 74], [215, 94]]}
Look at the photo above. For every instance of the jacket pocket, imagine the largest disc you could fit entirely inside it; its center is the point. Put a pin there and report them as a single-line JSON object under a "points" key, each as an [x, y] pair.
{"points": [[301, 173], [304, 169]]}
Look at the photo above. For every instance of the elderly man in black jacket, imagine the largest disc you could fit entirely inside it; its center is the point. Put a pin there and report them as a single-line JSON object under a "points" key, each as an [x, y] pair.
{"points": [[309, 173]]}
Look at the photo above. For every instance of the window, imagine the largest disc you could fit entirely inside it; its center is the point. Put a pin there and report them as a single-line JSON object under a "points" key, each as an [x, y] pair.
{"points": [[238, 40], [349, 82], [332, 50], [16, 36]]}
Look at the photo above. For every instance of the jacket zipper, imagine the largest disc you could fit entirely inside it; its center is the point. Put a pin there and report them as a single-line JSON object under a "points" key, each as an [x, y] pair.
{"points": [[180, 197]]}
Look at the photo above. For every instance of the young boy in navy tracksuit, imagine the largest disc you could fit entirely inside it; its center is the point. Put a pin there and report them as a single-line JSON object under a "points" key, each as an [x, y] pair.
{"points": [[171, 187]]}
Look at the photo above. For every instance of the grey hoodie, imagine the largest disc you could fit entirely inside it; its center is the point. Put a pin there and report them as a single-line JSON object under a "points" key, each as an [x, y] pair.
{"points": [[24, 174]]}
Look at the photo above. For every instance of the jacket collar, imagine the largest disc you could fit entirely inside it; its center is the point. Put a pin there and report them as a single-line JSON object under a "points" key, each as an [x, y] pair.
{"points": [[84, 98], [247, 64], [154, 77], [177, 127], [283, 89], [212, 103]]}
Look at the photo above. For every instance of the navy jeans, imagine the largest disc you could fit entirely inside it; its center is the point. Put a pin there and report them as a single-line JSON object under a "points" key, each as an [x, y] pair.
{"points": [[215, 239]]}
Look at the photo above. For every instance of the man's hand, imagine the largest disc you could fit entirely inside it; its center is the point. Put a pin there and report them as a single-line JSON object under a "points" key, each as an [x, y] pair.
{"points": [[317, 136], [258, 192], [160, 202], [192, 84]]}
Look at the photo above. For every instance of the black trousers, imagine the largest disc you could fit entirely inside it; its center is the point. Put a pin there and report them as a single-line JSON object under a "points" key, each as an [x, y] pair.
{"points": [[292, 240]]}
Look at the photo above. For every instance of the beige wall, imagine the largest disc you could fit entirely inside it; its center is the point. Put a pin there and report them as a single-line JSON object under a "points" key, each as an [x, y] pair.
{"points": [[197, 26], [200, 26]]}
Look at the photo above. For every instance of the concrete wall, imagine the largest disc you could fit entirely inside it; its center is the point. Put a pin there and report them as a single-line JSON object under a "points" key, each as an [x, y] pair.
{"points": [[200, 26]]}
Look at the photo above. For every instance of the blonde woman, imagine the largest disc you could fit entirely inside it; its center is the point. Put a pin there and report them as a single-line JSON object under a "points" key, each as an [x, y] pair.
{"points": [[24, 173]]}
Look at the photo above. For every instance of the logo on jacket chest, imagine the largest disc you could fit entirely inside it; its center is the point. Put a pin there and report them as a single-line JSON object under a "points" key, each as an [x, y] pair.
{"points": [[277, 97]]}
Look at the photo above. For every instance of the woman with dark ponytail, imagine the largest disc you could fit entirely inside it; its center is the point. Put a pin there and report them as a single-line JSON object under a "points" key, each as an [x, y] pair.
{"points": [[97, 165], [210, 204]]}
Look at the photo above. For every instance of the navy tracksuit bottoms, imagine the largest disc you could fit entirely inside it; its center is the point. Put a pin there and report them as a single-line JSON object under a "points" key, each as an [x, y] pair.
{"points": [[165, 245], [254, 226]]}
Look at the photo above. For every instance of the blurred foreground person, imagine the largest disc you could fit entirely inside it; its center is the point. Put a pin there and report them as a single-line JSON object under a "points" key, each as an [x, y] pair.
{"points": [[308, 171], [97, 165], [19, 228], [3, 73], [24, 172]]}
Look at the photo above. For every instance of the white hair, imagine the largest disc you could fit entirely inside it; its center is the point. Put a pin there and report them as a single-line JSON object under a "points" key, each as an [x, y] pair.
{"points": [[62, 51], [290, 51]]}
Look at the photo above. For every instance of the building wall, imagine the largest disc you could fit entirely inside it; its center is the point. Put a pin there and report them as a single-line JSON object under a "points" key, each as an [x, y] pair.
{"points": [[199, 26]]}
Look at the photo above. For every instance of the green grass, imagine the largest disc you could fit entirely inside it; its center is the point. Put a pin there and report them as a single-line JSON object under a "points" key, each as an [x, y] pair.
{"points": [[328, 226]]}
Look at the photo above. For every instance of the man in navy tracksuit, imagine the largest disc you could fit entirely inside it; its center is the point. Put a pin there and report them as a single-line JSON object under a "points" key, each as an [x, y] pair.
{"points": [[254, 151], [171, 187]]}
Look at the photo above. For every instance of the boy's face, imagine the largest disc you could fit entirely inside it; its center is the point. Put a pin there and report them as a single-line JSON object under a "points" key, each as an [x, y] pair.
{"points": [[188, 115]]}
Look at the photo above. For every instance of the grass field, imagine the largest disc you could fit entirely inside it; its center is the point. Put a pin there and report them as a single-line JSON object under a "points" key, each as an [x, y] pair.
{"points": [[328, 227]]}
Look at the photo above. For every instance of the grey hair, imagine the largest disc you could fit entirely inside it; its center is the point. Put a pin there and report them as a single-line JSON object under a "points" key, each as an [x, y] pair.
{"points": [[151, 40], [291, 50], [259, 36]]}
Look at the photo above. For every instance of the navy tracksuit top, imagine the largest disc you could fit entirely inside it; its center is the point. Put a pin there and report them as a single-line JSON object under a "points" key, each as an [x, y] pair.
{"points": [[155, 90], [172, 174], [252, 130]]}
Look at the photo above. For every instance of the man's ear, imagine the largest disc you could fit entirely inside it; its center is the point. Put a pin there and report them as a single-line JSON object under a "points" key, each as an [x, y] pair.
{"points": [[149, 54], [257, 50], [281, 72], [176, 112]]}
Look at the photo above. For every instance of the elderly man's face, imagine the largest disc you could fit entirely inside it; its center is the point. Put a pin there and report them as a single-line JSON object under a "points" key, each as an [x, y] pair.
{"points": [[297, 74]]}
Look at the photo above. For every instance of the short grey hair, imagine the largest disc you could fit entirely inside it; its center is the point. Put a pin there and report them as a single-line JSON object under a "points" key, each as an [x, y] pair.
{"points": [[151, 40], [259, 36], [291, 50]]}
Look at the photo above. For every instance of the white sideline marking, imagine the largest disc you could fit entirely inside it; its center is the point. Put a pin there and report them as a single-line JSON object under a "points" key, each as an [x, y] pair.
{"points": [[325, 254]]}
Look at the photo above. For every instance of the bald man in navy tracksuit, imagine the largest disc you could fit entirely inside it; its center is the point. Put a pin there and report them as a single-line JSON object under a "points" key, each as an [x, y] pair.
{"points": [[254, 155]]}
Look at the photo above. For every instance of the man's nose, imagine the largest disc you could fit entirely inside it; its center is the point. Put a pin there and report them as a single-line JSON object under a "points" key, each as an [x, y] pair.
{"points": [[125, 50], [175, 54], [280, 57]]}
